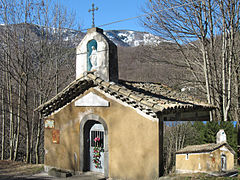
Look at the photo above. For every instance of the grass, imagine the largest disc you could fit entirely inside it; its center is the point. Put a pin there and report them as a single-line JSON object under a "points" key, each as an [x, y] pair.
{"points": [[201, 176], [13, 168]]}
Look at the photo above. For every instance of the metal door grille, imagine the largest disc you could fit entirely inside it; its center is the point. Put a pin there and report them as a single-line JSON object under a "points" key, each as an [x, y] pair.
{"points": [[99, 134]]}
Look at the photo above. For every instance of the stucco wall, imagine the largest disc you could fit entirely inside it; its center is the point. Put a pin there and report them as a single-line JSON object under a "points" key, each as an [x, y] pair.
{"points": [[106, 53], [230, 158], [132, 140], [203, 162]]}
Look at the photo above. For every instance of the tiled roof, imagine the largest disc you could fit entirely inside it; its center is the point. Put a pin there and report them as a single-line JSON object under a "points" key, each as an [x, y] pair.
{"points": [[163, 98], [147, 97], [203, 148]]}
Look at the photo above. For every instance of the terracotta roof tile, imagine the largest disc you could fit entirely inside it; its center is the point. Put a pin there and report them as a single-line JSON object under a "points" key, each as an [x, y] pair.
{"points": [[98, 80], [114, 87], [147, 103], [136, 97], [203, 148], [124, 91], [153, 96], [104, 83], [91, 76]]}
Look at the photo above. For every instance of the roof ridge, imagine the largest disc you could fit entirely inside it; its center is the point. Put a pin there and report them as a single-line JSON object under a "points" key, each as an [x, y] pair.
{"points": [[204, 148], [159, 100], [118, 88], [170, 89]]}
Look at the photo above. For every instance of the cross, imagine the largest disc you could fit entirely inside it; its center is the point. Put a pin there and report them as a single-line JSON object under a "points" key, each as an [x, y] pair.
{"points": [[93, 9]]}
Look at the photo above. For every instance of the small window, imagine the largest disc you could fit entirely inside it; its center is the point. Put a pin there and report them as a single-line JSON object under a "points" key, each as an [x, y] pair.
{"points": [[186, 156]]}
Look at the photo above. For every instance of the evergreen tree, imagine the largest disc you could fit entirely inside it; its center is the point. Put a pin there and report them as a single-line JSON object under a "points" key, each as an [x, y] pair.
{"points": [[211, 129], [199, 131]]}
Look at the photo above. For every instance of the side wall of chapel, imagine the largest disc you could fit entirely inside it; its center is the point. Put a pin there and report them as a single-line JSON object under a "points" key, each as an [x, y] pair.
{"points": [[204, 162]]}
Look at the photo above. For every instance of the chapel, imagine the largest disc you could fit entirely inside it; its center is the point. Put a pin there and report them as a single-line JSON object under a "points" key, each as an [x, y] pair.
{"points": [[213, 157], [110, 126]]}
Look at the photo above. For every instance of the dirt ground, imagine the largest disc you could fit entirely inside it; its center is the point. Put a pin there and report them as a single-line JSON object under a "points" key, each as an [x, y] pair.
{"points": [[198, 176], [12, 170]]}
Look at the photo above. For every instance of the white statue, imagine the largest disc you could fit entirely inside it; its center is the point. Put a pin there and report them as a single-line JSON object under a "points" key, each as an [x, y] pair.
{"points": [[93, 59]]}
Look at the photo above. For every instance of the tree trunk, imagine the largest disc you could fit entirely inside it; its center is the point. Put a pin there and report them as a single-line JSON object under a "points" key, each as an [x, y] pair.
{"points": [[236, 97], [27, 125], [27, 143], [3, 126], [224, 46], [18, 123], [31, 141], [38, 140], [32, 128], [206, 68], [206, 75], [227, 56], [10, 106]]}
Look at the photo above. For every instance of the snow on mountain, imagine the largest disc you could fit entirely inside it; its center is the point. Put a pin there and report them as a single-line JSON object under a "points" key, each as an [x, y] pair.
{"points": [[133, 38], [125, 38]]}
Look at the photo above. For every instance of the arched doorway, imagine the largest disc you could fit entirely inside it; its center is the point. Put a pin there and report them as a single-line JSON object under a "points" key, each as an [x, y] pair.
{"points": [[93, 127], [96, 148], [223, 162]]}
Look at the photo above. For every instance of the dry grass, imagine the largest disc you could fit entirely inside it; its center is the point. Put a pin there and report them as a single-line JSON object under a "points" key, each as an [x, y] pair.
{"points": [[201, 176], [13, 168]]}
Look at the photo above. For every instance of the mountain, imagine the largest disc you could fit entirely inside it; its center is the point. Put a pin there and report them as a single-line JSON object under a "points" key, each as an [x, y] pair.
{"points": [[122, 38], [130, 38]]}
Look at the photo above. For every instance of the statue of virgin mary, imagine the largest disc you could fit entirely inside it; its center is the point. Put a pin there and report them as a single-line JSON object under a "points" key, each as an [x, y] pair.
{"points": [[93, 59]]}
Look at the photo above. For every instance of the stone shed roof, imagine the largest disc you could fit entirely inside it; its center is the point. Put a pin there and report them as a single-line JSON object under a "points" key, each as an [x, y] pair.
{"points": [[151, 98], [203, 148]]}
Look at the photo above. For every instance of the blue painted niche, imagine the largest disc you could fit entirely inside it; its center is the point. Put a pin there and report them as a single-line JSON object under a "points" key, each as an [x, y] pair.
{"points": [[89, 51]]}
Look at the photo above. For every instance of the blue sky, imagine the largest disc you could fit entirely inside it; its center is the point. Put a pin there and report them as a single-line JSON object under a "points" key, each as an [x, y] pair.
{"points": [[109, 11]]}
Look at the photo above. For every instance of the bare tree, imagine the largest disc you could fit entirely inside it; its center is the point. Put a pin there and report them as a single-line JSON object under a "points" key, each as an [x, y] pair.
{"points": [[33, 43], [206, 34], [176, 135], [3, 119]]}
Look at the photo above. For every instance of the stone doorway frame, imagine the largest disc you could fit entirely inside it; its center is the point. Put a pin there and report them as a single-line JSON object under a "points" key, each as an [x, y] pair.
{"points": [[90, 120]]}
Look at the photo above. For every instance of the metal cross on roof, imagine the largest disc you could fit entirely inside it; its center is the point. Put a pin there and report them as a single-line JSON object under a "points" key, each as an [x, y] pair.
{"points": [[93, 9]]}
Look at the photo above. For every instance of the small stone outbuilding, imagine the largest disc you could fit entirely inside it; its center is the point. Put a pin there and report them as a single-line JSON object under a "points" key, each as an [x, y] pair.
{"points": [[102, 124], [214, 157]]}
